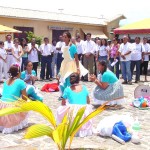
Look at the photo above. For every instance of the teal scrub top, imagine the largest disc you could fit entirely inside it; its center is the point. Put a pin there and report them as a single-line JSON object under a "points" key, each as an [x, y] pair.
{"points": [[76, 97], [73, 51], [12, 92], [24, 74], [109, 77]]}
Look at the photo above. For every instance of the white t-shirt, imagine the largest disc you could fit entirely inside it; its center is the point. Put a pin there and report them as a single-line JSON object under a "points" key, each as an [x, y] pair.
{"points": [[124, 48], [103, 50], [29, 45], [33, 56], [80, 47], [147, 49], [17, 50], [89, 47], [60, 45], [8, 45], [137, 50], [46, 49], [54, 49]]}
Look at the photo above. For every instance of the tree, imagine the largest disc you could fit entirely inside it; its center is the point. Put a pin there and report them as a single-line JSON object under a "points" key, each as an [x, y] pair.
{"points": [[31, 35]]}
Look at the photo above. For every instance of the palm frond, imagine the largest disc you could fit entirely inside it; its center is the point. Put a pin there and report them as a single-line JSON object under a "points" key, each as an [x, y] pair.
{"points": [[85, 120], [38, 130], [9, 111], [40, 108]]}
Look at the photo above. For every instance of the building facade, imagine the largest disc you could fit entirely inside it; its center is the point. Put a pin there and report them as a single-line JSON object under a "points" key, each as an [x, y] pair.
{"points": [[51, 25]]}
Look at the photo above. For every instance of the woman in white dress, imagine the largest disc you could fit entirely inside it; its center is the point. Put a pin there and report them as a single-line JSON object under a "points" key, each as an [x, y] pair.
{"points": [[17, 52]]}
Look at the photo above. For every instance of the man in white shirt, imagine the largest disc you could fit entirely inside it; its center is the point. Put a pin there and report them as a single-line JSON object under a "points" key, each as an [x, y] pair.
{"points": [[88, 52], [8, 45], [59, 46], [46, 58], [33, 54], [137, 56], [79, 45], [125, 58], [144, 64]]}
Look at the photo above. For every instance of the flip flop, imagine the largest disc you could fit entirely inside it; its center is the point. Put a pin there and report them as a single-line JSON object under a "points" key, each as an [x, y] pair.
{"points": [[115, 107]]}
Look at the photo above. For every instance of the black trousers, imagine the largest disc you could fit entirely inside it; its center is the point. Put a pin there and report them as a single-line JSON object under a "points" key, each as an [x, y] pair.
{"points": [[144, 68], [35, 65]]}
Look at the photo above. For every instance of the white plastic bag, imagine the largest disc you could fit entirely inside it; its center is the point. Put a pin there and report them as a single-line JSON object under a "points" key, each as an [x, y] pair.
{"points": [[105, 126]]}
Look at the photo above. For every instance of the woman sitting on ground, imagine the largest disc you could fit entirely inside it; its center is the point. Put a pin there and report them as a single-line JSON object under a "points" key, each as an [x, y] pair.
{"points": [[29, 76], [13, 89], [75, 97], [108, 87]]}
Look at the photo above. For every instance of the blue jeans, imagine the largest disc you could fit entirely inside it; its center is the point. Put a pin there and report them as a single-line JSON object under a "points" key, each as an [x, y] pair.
{"points": [[102, 58], [116, 66], [126, 70], [137, 64], [46, 60], [59, 60], [24, 60]]}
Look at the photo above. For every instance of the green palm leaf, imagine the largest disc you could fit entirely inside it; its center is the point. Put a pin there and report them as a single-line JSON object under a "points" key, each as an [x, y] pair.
{"points": [[38, 130], [85, 120], [58, 133], [40, 108], [9, 111], [77, 119]]}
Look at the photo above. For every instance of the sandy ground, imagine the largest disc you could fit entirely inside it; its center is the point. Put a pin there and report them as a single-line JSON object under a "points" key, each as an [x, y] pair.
{"points": [[14, 141]]}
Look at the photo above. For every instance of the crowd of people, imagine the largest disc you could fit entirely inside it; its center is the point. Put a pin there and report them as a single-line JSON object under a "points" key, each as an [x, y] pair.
{"points": [[125, 55], [95, 61]]}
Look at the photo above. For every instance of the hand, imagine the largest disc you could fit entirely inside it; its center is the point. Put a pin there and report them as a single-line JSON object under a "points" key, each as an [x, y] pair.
{"points": [[123, 57], [87, 55], [9, 50], [63, 102], [78, 71], [57, 77], [33, 46], [5, 60], [92, 77], [18, 59], [31, 78]]}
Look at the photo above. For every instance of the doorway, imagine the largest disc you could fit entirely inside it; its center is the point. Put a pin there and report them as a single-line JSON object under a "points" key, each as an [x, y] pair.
{"points": [[57, 33], [24, 30]]}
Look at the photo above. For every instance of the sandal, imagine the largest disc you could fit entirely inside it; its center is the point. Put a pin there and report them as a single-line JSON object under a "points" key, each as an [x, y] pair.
{"points": [[115, 107]]}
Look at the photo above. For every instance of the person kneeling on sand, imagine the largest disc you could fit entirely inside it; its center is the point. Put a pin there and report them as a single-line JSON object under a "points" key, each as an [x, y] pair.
{"points": [[75, 97], [29, 77], [13, 89], [108, 87]]}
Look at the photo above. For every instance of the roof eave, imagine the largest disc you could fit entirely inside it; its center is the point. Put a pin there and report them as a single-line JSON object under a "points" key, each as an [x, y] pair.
{"points": [[15, 17], [132, 31], [119, 17]]}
